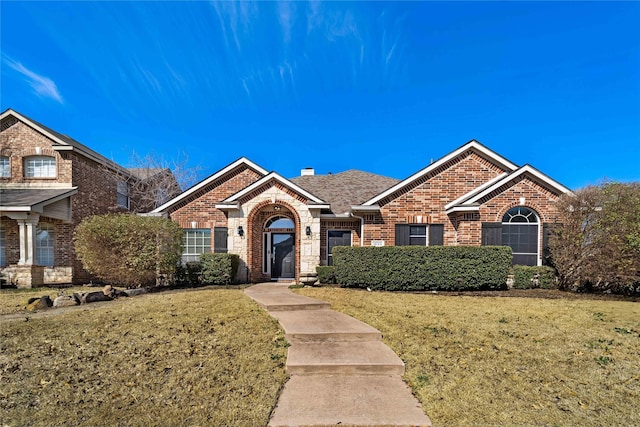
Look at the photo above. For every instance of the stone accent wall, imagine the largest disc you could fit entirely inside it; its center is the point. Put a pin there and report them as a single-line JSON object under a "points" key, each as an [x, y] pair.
{"points": [[252, 215]]}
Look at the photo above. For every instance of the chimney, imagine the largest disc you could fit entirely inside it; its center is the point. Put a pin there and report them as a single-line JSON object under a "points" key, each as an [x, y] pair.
{"points": [[307, 172]]}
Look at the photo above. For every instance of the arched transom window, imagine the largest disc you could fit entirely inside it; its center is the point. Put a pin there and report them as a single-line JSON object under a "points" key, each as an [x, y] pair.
{"points": [[520, 231], [279, 223]]}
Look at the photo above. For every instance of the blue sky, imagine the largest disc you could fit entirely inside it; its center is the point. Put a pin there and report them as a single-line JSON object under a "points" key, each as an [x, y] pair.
{"points": [[379, 86]]}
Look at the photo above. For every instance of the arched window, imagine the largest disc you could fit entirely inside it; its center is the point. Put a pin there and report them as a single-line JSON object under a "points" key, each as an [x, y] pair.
{"points": [[520, 231], [40, 167], [5, 167], [279, 222]]}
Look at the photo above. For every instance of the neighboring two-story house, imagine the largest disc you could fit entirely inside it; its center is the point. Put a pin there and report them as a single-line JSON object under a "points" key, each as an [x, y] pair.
{"points": [[48, 183], [283, 228]]}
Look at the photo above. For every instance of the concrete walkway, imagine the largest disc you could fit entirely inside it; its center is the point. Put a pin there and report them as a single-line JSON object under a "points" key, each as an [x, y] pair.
{"points": [[340, 371]]}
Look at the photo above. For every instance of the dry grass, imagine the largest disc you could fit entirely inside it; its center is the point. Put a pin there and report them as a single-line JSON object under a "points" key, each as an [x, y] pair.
{"points": [[202, 357], [509, 361], [14, 300]]}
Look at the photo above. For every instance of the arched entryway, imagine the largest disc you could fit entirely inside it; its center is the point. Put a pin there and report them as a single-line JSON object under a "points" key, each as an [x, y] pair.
{"points": [[279, 247], [274, 248]]}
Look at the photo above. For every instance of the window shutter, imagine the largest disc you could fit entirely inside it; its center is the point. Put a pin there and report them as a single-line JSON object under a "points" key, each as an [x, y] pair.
{"points": [[220, 240], [491, 234], [402, 234], [436, 234], [548, 229]]}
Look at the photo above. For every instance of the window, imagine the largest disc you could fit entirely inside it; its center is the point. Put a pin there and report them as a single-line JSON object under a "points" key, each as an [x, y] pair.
{"points": [[520, 232], [40, 167], [280, 223], [45, 240], [123, 195], [194, 243], [3, 246], [5, 167], [336, 238], [419, 234]]}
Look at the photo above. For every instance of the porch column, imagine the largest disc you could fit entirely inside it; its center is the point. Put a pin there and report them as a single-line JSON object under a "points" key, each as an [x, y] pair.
{"points": [[27, 231]]}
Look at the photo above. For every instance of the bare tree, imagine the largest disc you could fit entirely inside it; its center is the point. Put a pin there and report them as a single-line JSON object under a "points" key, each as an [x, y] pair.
{"points": [[150, 180], [598, 243]]}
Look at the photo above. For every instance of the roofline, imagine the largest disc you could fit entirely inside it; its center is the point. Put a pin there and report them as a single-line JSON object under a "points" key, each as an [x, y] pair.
{"points": [[470, 208], [279, 178], [64, 145], [37, 207], [524, 169], [207, 181], [361, 208], [471, 144]]}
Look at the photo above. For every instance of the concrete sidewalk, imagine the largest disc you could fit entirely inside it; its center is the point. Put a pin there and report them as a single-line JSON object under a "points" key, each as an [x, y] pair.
{"points": [[340, 371]]}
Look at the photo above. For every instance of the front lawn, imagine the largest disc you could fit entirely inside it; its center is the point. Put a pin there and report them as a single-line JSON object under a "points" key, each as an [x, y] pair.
{"points": [[509, 361], [203, 357]]}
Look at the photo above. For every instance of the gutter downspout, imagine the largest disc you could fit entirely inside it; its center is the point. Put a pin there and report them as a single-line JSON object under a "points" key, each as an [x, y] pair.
{"points": [[361, 227]]}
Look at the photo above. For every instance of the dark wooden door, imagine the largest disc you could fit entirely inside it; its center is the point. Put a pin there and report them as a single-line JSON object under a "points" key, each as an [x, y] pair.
{"points": [[283, 263]]}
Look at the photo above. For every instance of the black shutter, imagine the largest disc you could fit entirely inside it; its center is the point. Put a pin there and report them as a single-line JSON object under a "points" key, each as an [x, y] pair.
{"points": [[548, 229], [220, 240], [491, 234], [402, 234], [436, 234]]}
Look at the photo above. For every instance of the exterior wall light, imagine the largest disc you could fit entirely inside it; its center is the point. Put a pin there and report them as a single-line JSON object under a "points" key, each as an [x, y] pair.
{"points": [[308, 230], [240, 231]]}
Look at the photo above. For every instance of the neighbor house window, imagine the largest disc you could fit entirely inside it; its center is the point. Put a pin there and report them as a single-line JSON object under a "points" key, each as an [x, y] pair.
{"points": [[45, 240], [5, 167], [40, 167], [195, 242], [419, 234], [3, 246], [123, 195], [336, 238]]}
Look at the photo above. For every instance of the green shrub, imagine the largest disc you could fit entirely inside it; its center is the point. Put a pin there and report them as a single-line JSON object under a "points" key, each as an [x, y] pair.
{"points": [[523, 277], [188, 274], [415, 268], [219, 269], [326, 274], [128, 250]]}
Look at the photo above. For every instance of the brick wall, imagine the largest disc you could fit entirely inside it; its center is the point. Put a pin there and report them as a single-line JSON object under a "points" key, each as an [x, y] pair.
{"points": [[427, 198], [96, 191], [200, 207]]}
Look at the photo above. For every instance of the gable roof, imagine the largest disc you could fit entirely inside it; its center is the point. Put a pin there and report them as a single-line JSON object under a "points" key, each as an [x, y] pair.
{"points": [[344, 189], [242, 161], [473, 145], [471, 201], [232, 201], [63, 142]]}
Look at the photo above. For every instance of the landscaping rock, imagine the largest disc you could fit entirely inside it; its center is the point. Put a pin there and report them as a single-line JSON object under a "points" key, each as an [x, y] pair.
{"points": [[64, 301], [39, 303], [89, 297], [133, 292]]}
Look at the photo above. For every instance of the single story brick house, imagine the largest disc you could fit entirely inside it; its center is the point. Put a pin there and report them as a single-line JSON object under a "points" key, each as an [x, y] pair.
{"points": [[283, 228], [49, 182]]}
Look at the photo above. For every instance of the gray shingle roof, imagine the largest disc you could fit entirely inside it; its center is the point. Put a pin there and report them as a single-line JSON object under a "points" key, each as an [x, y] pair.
{"points": [[28, 197], [344, 189]]}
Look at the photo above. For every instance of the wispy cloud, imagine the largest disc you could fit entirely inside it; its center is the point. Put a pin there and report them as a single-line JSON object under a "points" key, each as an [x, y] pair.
{"points": [[41, 85]]}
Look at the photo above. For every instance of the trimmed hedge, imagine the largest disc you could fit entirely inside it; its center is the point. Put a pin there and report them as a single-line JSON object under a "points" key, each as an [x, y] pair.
{"points": [[523, 277], [418, 268], [219, 269], [188, 274], [326, 274]]}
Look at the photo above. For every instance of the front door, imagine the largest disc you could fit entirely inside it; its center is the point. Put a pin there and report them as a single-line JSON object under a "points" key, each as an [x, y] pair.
{"points": [[283, 256]]}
